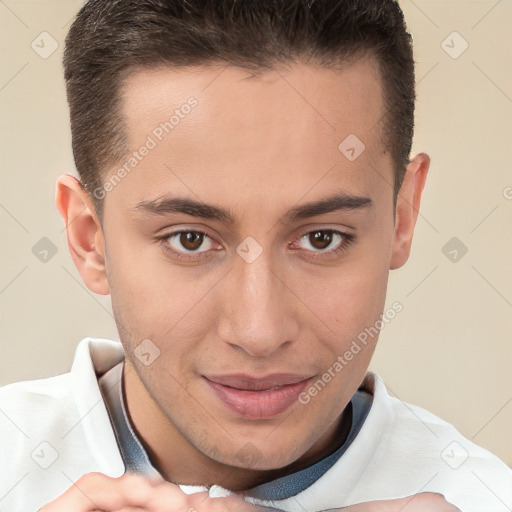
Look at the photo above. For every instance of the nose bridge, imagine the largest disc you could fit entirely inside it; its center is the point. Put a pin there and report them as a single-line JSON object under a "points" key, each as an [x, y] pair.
{"points": [[255, 317]]}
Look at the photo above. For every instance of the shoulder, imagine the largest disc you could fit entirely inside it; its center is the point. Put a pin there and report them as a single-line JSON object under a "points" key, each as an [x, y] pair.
{"points": [[29, 406], [56, 430], [421, 449], [30, 409], [423, 502], [36, 422], [34, 406]]}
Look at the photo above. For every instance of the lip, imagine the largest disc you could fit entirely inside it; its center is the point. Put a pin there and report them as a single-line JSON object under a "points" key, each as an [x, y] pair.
{"points": [[257, 398]]}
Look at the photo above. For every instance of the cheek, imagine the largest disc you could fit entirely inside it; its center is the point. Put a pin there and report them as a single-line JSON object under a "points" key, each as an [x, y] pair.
{"points": [[347, 298], [143, 284], [154, 299], [349, 302]]}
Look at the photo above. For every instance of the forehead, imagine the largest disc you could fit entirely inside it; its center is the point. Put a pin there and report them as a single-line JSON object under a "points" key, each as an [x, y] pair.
{"points": [[275, 131], [324, 98]]}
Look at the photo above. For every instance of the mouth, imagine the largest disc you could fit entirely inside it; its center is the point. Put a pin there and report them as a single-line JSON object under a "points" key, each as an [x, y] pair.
{"points": [[257, 398]]}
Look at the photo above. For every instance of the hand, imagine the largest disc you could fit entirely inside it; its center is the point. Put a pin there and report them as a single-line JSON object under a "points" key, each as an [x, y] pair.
{"points": [[96, 492], [423, 502]]}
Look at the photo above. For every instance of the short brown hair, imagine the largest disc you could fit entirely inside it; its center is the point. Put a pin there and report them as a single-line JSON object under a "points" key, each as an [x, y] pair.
{"points": [[109, 38]]}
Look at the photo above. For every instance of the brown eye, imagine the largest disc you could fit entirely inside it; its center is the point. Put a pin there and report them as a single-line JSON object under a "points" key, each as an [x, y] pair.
{"points": [[191, 240], [320, 239], [189, 245], [325, 241]]}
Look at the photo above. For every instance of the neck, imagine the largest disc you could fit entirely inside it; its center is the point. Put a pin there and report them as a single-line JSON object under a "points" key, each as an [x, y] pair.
{"points": [[179, 461]]}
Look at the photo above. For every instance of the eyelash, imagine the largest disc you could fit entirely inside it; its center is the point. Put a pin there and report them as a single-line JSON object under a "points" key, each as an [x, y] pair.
{"points": [[347, 240]]}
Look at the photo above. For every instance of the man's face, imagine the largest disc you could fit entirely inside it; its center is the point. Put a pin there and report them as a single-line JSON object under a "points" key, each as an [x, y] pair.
{"points": [[222, 314]]}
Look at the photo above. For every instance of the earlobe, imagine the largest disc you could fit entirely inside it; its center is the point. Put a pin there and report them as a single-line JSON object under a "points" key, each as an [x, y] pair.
{"points": [[407, 209], [84, 233]]}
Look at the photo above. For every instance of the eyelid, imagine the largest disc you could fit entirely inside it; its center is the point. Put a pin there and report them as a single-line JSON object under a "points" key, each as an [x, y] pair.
{"points": [[184, 255], [342, 230]]}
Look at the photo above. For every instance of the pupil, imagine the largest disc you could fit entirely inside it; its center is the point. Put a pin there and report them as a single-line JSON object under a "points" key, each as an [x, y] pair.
{"points": [[191, 241], [321, 239]]}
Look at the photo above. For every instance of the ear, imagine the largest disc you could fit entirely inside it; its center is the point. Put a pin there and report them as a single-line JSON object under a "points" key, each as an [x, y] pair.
{"points": [[407, 208], [85, 235]]}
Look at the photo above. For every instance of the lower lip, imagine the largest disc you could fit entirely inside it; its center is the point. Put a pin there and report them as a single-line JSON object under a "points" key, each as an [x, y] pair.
{"points": [[258, 405]]}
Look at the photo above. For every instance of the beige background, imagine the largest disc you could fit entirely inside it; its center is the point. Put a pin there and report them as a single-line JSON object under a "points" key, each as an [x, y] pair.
{"points": [[450, 348]]}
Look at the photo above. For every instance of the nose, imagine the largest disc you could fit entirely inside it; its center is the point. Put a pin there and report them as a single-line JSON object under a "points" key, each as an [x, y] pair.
{"points": [[257, 314]]}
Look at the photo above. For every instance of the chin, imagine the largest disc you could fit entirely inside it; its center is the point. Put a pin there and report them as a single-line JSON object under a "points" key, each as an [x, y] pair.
{"points": [[262, 457]]}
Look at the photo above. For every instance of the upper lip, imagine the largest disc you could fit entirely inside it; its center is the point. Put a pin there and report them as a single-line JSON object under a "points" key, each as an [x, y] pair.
{"points": [[250, 383]]}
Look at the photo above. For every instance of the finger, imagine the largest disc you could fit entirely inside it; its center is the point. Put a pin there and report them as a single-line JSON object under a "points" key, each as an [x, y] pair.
{"points": [[234, 503], [169, 497], [138, 491], [96, 491], [166, 499], [78, 496], [129, 509]]}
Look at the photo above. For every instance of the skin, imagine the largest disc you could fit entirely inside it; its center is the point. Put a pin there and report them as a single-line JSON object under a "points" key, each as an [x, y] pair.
{"points": [[96, 492], [256, 146]]}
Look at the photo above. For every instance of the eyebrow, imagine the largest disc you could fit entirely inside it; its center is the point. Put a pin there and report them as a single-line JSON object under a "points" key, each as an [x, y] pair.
{"points": [[335, 203]]}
